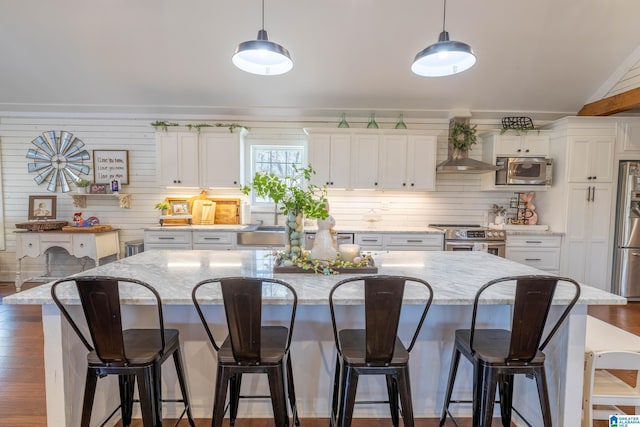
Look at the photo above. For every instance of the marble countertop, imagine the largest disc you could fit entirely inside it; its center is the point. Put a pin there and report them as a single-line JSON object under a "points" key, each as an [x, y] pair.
{"points": [[380, 229], [212, 227], [454, 276]]}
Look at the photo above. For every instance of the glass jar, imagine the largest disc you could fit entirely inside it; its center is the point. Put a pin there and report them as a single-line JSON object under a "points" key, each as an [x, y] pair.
{"points": [[343, 121], [401, 124], [372, 122]]}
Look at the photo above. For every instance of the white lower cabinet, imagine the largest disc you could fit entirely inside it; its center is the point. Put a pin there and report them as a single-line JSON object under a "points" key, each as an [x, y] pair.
{"points": [[399, 241], [413, 242], [178, 239], [369, 241], [535, 250], [214, 240]]}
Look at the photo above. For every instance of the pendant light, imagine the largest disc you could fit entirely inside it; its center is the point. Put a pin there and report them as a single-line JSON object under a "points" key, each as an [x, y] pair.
{"points": [[262, 56], [445, 57]]}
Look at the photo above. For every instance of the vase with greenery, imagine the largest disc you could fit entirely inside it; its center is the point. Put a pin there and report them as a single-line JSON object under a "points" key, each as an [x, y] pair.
{"points": [[81, 185], [461, 137], [297, 198], [163, 207]]}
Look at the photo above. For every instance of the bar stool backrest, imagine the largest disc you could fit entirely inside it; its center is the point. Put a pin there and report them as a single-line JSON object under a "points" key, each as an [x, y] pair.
{"points": [[243, 307], [243, 300], [383, 296], [383, 302], [533, 299], [100, 300]]}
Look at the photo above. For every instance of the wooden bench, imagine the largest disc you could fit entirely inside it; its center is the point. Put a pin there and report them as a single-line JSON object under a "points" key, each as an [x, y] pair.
{"points": [[609, 347]]}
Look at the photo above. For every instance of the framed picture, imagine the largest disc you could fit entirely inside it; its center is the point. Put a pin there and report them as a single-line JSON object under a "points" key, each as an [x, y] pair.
{"points": [[180, 208], [111, 164], [42, 207], [99, 188]]}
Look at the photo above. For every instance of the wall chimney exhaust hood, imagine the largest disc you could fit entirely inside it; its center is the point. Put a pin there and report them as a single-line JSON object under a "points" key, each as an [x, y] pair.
{"points": [[458, 160]]}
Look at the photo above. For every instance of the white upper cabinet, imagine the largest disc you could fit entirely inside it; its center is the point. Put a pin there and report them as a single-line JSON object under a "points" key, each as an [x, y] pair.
{"points": [[379, 159], [512, 144], [407, 162], [220, 159], [177, 159], [590, 158], [211, 158], [364, 160], [329, 156]]}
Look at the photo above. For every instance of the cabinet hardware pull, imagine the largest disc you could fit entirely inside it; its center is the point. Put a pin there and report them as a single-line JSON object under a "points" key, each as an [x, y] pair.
{"points": [[593, 193], [211, 238], [533, 259], [635, 254], [414, 241], [166, 238], [534, 241], [369, 240]]}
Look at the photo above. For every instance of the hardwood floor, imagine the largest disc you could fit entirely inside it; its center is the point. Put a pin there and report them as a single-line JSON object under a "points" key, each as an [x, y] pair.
{"points": [[22, 393]]}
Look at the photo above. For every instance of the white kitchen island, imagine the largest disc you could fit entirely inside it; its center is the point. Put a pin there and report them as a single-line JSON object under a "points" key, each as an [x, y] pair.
{"points": [[454, 276]]}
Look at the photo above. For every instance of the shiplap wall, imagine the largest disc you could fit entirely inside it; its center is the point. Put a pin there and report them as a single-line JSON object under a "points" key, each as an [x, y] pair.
{"points": [[457, 198], [630, 80]]}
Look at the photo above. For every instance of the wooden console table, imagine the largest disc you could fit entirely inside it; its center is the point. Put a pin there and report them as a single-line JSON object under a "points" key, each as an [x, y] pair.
{"points": [[95, 245]]}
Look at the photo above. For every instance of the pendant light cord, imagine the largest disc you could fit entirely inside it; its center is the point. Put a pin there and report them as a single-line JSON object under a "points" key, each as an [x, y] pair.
{"points": [[444, 14], [263, 14]]}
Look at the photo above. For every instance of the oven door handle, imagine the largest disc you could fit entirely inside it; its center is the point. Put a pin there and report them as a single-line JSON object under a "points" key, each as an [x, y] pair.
{"points": [[490, 243]]}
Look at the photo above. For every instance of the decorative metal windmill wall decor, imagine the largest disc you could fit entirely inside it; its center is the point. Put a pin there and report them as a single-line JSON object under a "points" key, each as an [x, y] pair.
{"points": [[58, 159]]}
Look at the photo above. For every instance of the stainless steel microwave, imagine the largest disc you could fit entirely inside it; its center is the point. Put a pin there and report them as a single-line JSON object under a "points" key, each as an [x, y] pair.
{"points": [[524, 171]]}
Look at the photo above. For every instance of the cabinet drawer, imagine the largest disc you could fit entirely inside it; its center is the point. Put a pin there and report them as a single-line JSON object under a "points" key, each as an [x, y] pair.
{"points": [[84, 246], [29, 245], [213, 240], [534, 241], [369, 241], [413, 241], [545, 259], [172, 246], [167, 237]]}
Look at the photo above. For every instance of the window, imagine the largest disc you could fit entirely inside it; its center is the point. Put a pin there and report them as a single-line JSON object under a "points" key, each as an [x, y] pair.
{"points": [[276, 159]]}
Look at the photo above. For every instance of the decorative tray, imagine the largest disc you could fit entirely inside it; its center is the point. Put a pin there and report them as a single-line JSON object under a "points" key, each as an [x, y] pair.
{"points": [[327, 269], [42, 225], [90, 229]]}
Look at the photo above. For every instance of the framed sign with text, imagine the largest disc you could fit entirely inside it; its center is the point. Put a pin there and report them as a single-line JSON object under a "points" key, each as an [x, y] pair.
{"points": [[109, 165]]}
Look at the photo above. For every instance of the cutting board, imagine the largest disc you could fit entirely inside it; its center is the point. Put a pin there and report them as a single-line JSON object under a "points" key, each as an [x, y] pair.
{"points": [[93, 229], [227, 211]]}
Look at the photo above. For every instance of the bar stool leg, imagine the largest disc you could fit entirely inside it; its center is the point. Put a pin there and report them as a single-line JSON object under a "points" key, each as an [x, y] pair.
{"points": [[235, 383], [177, 360], [278, 400], [146, 391], [348, 387], [292, 392], [89, 394], [392, 392], [404, 387], [543, 393], [220, 396], [127, 386], [453, 371], [336, 393], [505, 388]]}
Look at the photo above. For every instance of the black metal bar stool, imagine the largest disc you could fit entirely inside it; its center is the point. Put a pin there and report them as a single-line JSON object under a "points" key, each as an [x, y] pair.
{"points": [[376, 349], [499, 354], [131, 354], [251, 347]]}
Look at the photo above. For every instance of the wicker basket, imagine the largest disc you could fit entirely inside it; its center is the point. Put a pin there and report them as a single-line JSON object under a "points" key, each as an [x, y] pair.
{"points": [[42, 225]]}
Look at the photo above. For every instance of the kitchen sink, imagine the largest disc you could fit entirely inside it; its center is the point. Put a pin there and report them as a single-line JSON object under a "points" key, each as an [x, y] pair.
{"points": [[262, 236]]}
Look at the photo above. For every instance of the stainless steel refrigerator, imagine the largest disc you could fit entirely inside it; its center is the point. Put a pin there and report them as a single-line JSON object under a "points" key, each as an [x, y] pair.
{"points": [[626, 267]]}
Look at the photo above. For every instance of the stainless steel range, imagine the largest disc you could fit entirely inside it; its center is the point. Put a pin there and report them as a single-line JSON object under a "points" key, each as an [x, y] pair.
{"points": [[470, 237]]}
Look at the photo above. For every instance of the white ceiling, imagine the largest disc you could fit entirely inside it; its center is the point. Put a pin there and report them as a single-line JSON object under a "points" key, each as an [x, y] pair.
{"points": [[174, 56]]}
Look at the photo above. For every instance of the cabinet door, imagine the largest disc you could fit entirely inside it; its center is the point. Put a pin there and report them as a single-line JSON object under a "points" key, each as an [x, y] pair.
{"points": [[177, 159], [393, 162], [340, 156], [534, 144], [602, 158], [364, 161], [319, 156], [507, 144], [591, 159], [220, 164], [421, 163]]}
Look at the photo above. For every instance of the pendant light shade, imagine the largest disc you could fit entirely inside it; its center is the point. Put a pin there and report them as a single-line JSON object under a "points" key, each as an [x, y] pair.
{"points": [[445, 57], [262, 56]]}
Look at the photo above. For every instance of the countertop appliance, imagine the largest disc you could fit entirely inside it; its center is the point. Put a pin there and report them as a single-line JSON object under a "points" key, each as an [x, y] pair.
{"points": [[524, 171], [341, 239], [472, 237], [626, 258]]}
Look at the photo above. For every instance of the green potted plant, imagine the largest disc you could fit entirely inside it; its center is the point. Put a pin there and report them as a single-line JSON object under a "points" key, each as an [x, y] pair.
{"points": [[81, 185], [461, 137], [294, 199], [163, 207]]}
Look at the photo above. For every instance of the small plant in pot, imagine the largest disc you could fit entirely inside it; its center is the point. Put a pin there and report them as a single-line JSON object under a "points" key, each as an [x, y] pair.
{"points": [[461, 137], [163, 207], [81, 185]]}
